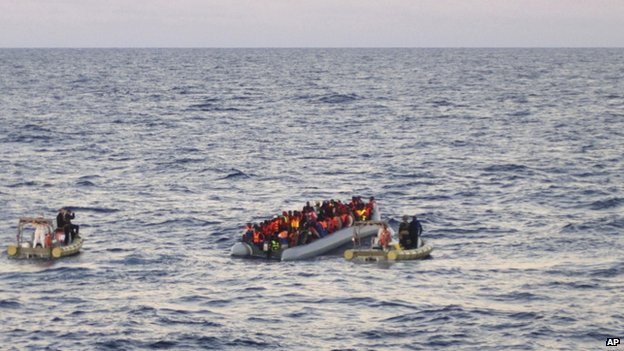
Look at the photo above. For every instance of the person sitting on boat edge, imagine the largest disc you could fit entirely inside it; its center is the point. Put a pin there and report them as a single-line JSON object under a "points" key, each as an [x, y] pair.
{"points": [[404, 238], [415, 229], [384, 237]]}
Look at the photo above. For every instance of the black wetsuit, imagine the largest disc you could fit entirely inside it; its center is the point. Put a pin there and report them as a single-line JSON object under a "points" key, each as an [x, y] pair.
{"points": [[415, 229], [404, 237], [71, 230], [60, 220]]}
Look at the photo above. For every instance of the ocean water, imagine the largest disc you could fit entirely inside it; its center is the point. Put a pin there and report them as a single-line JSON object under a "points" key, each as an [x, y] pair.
{"points": [[512, 159]]}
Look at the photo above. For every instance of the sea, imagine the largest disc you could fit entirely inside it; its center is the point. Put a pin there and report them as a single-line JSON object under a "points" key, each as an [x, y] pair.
{"points": [[512, 159]]}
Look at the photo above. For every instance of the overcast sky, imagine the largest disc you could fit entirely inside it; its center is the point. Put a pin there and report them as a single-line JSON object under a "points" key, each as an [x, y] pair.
{"points": [[312, 23]]}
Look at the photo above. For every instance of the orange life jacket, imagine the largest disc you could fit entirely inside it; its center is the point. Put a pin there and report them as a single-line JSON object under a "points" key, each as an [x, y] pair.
{"points": [[257, 238], [333, 224], [323, 224], [283, 234], [274, 226], [294, 223]]}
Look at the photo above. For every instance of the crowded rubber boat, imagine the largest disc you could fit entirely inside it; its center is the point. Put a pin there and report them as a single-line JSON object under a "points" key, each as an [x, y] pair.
{"points": [[313, 231], [44, 242]]}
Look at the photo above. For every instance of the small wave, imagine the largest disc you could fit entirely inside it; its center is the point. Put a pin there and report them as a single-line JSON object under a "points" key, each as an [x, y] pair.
{"points": [[441, 103], [410, 317], [186, 160], [163, 344], [68, 270], [119, 344], [133, 260], [339, 98], [202, 107], [210, 107], [183, 222], [526, 316], [23, 184], [505, 168], [236, 174], [607, 204], [251, 343], [521, 113], [36, 128], [10, 303], [85, 183]]}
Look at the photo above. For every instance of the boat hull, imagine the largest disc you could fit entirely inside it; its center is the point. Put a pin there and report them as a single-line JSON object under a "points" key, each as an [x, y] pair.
{"points": [[423, 251], [48, 252]]}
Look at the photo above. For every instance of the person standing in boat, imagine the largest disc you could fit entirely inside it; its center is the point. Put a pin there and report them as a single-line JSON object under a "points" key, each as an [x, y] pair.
{"points": [[415, 229], [42, 228], [71, 230], [60, 218], [404, 238]]}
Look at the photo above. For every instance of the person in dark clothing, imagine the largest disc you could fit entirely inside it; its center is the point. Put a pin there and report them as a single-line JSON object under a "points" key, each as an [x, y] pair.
{"points": [[71, 230], [415, 229], [60, 218], [404, 238]]}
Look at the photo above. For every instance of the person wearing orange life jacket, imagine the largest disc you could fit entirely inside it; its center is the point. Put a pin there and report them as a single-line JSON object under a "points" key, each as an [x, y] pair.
{"points": [[327, 225], [321, 228], [334, 225], [294, 221], [346, 220], [258, 239], [275, 223]]}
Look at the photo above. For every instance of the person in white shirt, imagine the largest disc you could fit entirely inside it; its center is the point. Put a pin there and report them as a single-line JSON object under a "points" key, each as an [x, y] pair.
{"points": [[41, 229]]}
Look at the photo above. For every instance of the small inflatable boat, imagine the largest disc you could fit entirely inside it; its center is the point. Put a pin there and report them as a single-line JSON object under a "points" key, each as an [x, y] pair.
{"points": [[53, 241]]}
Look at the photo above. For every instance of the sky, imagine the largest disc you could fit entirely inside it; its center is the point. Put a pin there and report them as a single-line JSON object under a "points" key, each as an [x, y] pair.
{"points": [[311, 23]]}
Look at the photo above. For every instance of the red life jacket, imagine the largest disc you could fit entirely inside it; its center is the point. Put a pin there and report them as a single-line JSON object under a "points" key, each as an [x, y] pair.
{"points": [[385, 238]]}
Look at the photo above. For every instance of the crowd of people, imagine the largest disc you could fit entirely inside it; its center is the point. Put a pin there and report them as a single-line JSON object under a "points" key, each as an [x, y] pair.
{"points": [[293, 228]]}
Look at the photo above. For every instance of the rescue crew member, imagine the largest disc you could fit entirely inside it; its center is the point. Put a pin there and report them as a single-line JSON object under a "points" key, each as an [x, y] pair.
{"points": [[415, 229], [404, 238]]}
